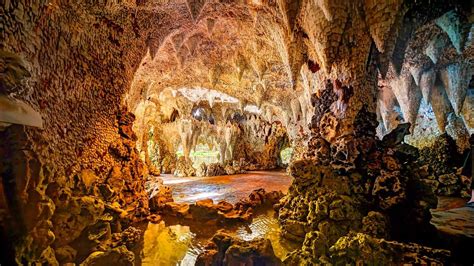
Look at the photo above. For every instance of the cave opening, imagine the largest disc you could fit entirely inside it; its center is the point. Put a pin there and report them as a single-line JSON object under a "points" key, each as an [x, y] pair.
{"points": [[143, 132]]}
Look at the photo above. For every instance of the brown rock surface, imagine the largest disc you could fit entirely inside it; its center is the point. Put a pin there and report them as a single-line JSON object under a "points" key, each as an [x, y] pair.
{"points": [[244, 78]]}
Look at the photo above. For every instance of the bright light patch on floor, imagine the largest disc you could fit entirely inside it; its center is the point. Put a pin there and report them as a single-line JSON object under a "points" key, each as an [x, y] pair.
{"points": [[204, 195], [176, 181]]}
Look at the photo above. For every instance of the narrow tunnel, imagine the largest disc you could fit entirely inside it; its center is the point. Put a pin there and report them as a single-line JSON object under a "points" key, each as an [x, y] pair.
{"points": [[208, 132]]}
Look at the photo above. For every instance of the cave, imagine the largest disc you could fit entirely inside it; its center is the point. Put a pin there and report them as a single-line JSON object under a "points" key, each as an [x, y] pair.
{"points": [[250, 132]]}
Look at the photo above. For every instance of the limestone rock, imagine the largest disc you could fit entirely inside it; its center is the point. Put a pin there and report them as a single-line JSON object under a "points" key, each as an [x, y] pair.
{"points": [[184, 167], [227, 250], [115, 256]]}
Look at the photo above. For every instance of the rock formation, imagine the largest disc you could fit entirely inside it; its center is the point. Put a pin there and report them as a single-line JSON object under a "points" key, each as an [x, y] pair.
{"points": [[97, 97]]}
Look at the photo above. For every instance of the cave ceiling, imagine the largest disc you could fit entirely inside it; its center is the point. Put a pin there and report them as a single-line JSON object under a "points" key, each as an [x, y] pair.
{"points": [[274, 54]]}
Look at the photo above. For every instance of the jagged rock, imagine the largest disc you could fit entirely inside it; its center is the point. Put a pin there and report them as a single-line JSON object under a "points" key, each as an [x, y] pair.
{"points": [[359, 247], [184, 167], [204, 210], [115, 256], [389, 188], [65, 254], [202, 170], [397, 135], [176, 209], [224, 249], [163, 196], [88, 178], [442, 164], [131, 236], [215, 169], [375, 224], [77, 63], [74, 215]]}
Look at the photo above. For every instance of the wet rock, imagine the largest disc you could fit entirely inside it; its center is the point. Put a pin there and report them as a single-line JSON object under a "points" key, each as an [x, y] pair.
{"points": [[116, 256], [259, 197], [224, 206], [294, 230], [154, 218], [204, 210], [225, 249], [158, 200], [176, 209]]}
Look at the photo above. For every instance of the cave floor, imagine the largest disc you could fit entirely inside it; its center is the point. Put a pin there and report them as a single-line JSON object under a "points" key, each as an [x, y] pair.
{"points": [[452, 217], [230, 188], [455, 225]]}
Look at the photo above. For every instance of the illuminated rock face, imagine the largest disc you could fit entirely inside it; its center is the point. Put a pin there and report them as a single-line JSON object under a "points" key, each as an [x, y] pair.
{"points": [[314, 75]]}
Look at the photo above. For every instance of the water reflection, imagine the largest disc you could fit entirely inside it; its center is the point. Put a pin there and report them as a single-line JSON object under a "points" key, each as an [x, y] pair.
{"points": [[178, 245]]}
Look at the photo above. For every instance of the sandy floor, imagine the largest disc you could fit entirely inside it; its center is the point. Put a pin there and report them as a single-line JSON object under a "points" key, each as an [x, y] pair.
{"points": [[453, 217], [230, 187]]}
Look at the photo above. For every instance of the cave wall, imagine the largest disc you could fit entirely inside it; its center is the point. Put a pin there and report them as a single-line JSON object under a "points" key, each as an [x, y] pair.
{"points": [[79, 71]]}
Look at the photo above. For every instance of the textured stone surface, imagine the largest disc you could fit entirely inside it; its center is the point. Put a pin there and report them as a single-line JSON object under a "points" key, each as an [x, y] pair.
{"points": [[314, 75], [224, 249]]}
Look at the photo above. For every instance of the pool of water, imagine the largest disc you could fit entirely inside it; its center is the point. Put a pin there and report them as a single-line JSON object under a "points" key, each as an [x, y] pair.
{"points": [[180, 244]]}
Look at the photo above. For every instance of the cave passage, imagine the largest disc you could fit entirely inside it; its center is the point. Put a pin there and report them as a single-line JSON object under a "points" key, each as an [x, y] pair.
{"points": [[225, 132]]}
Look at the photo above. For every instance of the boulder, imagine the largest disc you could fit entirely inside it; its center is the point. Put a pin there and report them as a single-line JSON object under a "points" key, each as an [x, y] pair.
{"points": [[119, 256], [224, 249]]}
